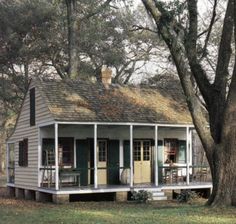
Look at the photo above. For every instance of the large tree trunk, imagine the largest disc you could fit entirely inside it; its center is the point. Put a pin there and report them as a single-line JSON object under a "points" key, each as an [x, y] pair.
{"points": [[219, 135], [73, 26], [223, 173]]}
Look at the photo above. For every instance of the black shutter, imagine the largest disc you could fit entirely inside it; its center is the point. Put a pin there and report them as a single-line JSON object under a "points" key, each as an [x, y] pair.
{"points": [[25, 141], [32, 107], [21, 147], [23, 153]]}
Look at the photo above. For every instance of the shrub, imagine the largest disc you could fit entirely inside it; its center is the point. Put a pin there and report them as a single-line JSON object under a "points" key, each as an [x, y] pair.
{"points": [[187, 196], [141, 196]]}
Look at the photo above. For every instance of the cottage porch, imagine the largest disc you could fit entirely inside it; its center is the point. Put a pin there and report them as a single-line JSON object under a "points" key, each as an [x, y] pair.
{"points": [[96, 169]]}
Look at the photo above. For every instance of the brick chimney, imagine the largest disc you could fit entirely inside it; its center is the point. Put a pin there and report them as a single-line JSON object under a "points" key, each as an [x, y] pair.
{"points": [[106, 75]]}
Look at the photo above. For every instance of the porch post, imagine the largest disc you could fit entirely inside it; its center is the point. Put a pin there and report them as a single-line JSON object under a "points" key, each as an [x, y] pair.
{"points": [[95, 158], [121, 163], [187, 153], [156, 155], [131, 157], [7, 158], [190, 147], [56, 158], [39, 156]]}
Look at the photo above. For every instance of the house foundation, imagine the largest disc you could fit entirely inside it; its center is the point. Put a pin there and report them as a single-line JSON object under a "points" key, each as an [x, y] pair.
{"points": [[19, 193], [60, 198], [29, 195], [121, 196], [11, 192], [43, 197]]}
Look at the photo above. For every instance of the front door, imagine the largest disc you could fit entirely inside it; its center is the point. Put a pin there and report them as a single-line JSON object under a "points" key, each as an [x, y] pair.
{"points": [[82, 158], [102, 161], [142, 161], [113, 162]]}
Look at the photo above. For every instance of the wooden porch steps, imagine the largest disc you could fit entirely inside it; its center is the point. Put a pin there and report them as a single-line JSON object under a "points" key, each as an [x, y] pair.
{"points": [[158, 195]]}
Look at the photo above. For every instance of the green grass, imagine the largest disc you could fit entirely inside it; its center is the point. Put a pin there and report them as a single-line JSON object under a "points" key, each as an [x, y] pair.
{"points": [[19, 211]]}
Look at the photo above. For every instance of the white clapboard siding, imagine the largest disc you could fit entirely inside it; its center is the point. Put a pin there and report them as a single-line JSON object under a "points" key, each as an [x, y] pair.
{"points": [[27, 177]]}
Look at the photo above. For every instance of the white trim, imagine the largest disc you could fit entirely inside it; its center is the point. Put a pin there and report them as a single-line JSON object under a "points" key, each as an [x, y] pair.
{"points": [[7, 160], [121, 163], [95, 158], [86, 191], [156, 155], [75, 153], [56, 158], [39, 156], [123, 189], [10, 142], [46, 124], [190, 146], [125, 124], [131, 157], [10, 185], [187, 154]]}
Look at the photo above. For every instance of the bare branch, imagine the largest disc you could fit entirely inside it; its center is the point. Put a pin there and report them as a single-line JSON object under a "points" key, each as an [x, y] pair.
{"points": [[98, 10], [225, 49], [139, 27], [204, 52]]}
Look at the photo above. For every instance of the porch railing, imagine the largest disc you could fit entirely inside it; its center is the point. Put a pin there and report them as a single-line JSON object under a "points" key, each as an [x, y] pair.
{"points": [[73, 177], [171, 175]]}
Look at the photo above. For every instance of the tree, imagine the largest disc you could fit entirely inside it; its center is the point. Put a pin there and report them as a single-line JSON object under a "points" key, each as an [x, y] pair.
{"points": [[178, 26]]}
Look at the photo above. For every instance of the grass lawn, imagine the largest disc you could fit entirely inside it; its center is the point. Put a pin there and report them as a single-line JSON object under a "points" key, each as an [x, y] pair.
{"points": [[20, 211]]}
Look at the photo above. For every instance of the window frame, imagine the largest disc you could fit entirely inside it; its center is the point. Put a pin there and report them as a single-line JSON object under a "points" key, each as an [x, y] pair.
{"points": [[171, 151], [102, 153]]}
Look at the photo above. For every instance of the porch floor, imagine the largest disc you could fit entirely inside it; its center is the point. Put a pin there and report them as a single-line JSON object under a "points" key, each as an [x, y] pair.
{"points": [[120, 188]]}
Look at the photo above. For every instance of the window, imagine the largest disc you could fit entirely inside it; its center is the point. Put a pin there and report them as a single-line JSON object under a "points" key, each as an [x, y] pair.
{"points": [[171, 148], [48, 149], [11, 162], [65, 152], [32, 107], [137, 151], [23, 152], [146, 150], [102, 150]]}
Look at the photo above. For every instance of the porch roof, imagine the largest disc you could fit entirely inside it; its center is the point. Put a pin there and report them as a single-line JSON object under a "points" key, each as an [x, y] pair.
{"points": [[83, 101]]}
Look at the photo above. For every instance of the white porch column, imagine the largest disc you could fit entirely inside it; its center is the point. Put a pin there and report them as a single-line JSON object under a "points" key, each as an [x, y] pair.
{"points": [[39, 156], [121, 163], [187, 153], [131, 157], [7, 165], [56, 158], [95, 158], [191, 147], [156, 155]]}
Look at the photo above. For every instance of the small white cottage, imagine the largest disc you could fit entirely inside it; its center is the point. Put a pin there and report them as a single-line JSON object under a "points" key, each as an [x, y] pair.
{"points": [[77, 138]]}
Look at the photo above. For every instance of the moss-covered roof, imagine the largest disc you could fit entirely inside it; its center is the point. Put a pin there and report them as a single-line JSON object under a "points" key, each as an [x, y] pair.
{"points": [[92, 102]]}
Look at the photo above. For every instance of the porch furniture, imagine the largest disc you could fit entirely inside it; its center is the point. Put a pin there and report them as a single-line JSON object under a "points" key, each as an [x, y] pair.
{"points": [[173, 174], [201, 175], [63, 174]]}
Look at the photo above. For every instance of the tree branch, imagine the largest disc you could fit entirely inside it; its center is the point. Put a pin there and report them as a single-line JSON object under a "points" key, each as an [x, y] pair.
{"points": [[224, 53], [178, 54], [98, 10], [204, 52]]}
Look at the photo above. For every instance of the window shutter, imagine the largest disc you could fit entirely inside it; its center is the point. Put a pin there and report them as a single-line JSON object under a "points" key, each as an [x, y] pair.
{"points": [[25, 152], [20, 161], [32, 107]]}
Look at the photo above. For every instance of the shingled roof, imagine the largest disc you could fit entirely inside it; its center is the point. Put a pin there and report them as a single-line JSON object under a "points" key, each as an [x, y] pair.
{"points": [[91, 102]]}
